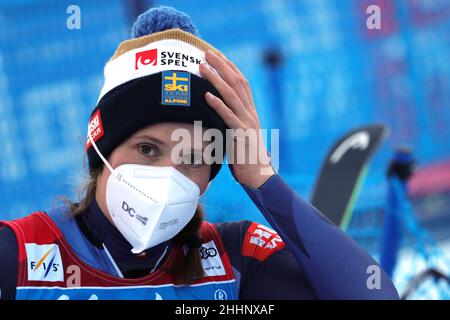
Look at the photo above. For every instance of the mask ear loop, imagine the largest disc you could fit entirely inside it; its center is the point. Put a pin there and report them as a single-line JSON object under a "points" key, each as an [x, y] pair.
{"points": [[110, 168], [114, 172]]}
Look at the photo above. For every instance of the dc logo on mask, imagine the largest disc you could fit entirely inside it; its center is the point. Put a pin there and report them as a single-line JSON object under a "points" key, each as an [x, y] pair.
{"points": [[128, 209], [132, 213]]}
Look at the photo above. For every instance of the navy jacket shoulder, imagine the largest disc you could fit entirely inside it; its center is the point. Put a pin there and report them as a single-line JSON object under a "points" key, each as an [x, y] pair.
{"points": [[9, 264]]}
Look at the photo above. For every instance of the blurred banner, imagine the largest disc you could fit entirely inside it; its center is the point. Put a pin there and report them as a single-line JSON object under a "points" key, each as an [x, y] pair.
{"points": [[316, 70]]}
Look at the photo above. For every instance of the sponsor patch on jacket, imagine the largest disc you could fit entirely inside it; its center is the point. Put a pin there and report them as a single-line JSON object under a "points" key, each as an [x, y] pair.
{"points": [[44, 262], [211, 261], [260, 242]]}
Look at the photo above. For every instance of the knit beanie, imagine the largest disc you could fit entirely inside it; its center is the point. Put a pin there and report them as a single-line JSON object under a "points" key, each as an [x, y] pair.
{"points": [[152, 78]]}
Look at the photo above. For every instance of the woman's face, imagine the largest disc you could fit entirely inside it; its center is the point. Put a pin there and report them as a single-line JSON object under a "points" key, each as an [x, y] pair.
{"points": [[153, 146]]}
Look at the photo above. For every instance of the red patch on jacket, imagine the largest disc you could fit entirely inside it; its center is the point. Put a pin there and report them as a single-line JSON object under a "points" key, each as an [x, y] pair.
{"points": [[260, 242]]}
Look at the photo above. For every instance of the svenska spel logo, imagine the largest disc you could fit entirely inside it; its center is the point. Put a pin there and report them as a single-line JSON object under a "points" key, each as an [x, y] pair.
{"points": [[44, 262], [176, 88], [147, 57]]}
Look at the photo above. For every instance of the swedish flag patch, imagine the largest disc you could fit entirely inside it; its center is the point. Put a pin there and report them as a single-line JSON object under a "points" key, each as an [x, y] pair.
{"points": [[176, 88]]}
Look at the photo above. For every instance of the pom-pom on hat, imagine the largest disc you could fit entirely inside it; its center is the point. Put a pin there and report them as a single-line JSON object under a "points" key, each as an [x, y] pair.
{"points": [[160, 19], [153, 78]]}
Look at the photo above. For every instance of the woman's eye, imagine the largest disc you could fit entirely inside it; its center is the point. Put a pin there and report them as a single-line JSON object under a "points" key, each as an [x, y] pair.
{"points": [[147, 149]]}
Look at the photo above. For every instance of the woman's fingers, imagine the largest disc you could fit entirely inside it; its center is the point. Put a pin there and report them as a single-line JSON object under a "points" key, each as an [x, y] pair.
{"points": [[228, 94], [227, 115], [234, 79], [245, 82]]}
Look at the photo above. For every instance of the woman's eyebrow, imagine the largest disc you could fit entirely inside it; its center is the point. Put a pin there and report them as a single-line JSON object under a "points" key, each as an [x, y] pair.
{"points": [[149, 138]]}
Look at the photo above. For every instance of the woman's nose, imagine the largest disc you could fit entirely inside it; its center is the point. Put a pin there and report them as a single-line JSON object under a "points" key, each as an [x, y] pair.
{"points": [[166, 161]]}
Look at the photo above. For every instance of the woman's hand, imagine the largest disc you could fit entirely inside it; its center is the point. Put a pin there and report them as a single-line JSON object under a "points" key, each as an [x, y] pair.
{"points": [[251, 164]]}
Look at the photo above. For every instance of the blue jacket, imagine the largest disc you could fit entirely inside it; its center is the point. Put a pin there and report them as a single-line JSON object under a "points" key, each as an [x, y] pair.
{"points": [[315, 259]]}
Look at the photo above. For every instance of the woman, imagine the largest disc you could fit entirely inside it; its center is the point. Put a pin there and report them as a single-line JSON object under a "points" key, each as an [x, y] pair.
{"points": [[139, 231]]}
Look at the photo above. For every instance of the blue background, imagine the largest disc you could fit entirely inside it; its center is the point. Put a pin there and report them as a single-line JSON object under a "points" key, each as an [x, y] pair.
{"points": [[336, 75]]}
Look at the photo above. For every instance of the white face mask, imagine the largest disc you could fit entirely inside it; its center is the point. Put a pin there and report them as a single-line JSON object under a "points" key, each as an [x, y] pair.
{"points": [[149, 204]]}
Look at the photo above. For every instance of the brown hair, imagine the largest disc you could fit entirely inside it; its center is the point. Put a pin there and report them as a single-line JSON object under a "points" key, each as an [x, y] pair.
{"points": [[190, 267]]}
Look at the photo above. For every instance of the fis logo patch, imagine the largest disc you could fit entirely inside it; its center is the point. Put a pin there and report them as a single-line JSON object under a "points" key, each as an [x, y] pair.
{"points": [[176, 88], [44, 262]]}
